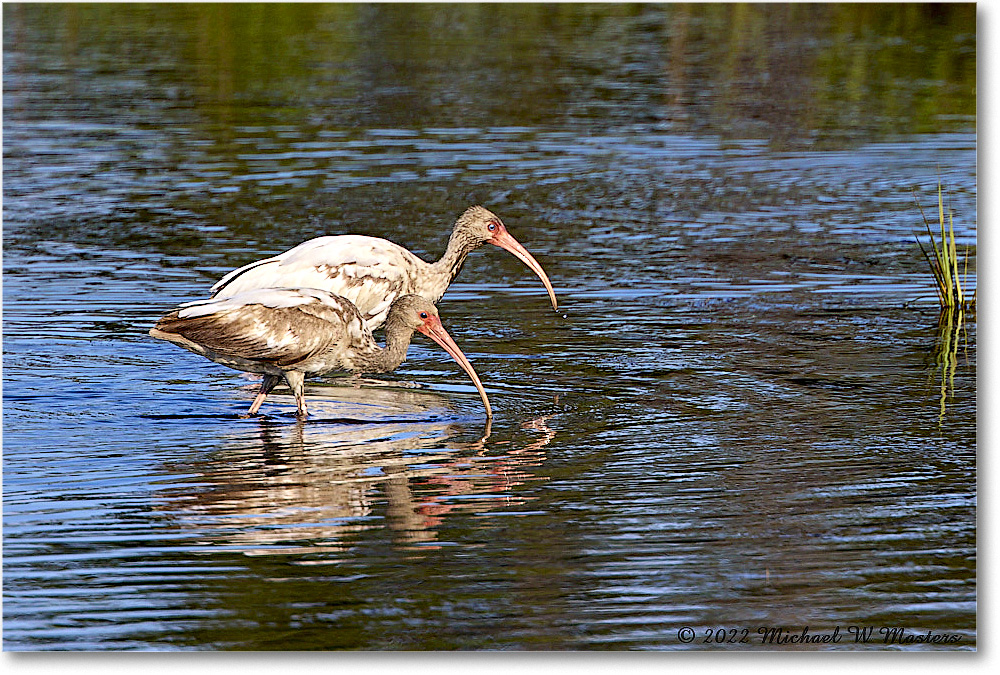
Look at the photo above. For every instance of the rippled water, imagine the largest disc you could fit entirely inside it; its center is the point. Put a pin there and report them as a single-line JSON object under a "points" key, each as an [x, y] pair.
{"points": [[744, 414]]}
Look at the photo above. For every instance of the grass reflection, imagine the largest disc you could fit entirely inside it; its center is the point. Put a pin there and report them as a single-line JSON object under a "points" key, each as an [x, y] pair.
{"points": [[950, 274], [951, 336]]}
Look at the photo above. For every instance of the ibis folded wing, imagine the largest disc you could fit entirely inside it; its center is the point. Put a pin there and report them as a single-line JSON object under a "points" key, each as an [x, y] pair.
{"points": [[368, 271], [281, 327]]}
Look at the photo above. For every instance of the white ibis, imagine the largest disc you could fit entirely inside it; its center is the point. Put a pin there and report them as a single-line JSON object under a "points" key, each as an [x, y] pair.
{"points": [[371, 272], [288, 333]]}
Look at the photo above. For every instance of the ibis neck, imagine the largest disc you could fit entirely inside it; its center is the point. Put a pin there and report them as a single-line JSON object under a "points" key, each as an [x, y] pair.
{"points": [[397, 341], [447, 268]]}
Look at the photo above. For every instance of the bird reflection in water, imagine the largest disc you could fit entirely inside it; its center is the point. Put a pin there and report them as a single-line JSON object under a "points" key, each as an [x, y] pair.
{"points": [[496, 474], [308, 488]]}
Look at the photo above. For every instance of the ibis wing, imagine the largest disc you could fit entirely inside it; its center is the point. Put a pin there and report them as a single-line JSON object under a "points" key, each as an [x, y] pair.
{"points": [[368, 271], [283, 336]]}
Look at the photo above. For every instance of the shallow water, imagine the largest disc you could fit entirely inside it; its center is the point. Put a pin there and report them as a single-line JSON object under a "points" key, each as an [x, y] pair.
{"points": [[743, 415]]}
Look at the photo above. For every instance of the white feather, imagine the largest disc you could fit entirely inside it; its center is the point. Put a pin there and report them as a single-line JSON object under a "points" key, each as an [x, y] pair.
{"points": [[268, 297], [368, 271]]}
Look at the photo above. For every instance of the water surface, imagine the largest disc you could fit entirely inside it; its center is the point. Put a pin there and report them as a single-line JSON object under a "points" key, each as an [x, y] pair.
{"points": [[744, 414]]}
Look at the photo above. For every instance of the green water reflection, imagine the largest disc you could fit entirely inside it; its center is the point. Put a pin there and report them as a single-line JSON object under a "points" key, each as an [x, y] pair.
{"points": [[732, 420], [787, 72]]}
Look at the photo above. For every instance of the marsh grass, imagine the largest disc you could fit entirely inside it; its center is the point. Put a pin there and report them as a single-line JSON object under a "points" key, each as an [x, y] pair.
{"points": [[950, 274], [951, 283]]}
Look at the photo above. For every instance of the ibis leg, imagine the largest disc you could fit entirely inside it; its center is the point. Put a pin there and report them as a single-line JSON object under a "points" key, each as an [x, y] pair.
{"points": [[297, 383]]}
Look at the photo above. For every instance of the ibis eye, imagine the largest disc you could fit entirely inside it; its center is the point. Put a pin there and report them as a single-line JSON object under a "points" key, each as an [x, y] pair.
{"points": [[423, 315], [492, 226]]}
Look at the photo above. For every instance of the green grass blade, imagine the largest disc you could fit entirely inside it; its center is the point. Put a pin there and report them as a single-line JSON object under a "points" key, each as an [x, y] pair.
{"points": [[954, 259], [943, 261]]}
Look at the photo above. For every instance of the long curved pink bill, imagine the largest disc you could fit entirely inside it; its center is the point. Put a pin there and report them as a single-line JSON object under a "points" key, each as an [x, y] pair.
{"points": [[506, 241], [433, 329]]}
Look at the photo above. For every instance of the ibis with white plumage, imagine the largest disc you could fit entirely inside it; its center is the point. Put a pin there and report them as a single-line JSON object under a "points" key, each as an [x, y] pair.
{"points": [[373, 273], [290, 333]]}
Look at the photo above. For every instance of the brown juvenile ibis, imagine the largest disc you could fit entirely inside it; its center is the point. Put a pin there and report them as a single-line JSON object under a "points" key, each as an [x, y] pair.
{"points": [[289, 333], [371, 272]]}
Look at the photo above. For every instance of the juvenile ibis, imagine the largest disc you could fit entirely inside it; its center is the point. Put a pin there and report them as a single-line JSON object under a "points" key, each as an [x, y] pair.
{"points": [[371, 272], [289, 333]]}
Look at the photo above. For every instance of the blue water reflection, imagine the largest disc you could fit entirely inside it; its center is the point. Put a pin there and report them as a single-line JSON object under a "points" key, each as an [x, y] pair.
{"points": [[743, 414]]}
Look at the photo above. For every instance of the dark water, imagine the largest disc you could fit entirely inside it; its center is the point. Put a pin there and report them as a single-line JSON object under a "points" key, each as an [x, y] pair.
{"points": [[743, 416]]}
